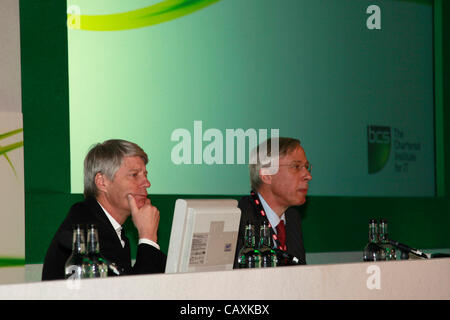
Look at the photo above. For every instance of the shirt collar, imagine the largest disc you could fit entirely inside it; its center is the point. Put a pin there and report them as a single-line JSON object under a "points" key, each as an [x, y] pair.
{"points": [[114, 223]]}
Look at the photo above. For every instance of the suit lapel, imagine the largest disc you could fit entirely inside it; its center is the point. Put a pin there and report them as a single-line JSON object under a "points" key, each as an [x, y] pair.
{"points": [[109, 233]]}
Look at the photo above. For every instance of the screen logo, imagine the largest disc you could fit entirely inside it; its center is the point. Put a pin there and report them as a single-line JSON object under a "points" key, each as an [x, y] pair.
{"points": [[379, 147]]}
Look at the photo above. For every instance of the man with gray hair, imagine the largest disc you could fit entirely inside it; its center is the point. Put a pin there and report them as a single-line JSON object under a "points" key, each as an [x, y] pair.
{"points": [[279, 177], [115, 187]]}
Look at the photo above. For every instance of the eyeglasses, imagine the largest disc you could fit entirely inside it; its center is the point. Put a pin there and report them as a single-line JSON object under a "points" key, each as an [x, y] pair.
{"points": [[298, 166]]}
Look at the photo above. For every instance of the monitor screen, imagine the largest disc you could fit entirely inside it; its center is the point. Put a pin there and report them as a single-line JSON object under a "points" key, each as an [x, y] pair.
{"points": [[204, 235]]}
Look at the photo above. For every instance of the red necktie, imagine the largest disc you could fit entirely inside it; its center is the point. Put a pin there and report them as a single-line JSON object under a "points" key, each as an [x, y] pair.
{"points": [[281, 235]]}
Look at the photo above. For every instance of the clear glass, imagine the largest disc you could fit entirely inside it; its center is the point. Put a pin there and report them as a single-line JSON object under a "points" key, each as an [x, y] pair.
{"points": [[372, 251], [268, 255], [389, 250], [98, 266], [248, 256], [76, 266]]}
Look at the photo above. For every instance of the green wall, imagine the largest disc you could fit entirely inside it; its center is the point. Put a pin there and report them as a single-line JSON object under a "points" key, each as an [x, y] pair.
{"points": [[330, 223]]}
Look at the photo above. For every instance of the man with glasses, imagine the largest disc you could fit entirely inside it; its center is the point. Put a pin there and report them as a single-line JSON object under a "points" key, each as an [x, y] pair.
{"points": [[279, 177]]}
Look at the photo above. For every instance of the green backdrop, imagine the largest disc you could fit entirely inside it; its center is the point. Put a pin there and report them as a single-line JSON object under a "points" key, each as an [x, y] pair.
{"points": [[330, 223]]}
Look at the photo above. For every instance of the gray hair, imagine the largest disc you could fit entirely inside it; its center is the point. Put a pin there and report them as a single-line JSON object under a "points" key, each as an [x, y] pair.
{"points": [[106, 158], [285, 146]]}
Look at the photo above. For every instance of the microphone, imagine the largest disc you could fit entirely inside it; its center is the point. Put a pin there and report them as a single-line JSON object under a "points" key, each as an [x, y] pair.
{"points": [[404, 247]]}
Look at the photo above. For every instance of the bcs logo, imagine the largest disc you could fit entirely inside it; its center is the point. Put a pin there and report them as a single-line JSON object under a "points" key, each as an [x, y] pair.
{"points": [[379, 147]]}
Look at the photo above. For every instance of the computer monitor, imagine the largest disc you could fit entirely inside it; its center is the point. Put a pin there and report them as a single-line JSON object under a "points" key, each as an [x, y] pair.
{"points": [[204, 235]]}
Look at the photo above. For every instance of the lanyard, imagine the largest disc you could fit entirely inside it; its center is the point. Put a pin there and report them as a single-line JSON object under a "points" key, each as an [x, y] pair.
{"points": [[262, 212]]}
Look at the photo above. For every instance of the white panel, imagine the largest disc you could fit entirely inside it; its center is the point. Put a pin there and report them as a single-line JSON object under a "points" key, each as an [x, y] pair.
{"points": [[12, 194], [10, 89]]}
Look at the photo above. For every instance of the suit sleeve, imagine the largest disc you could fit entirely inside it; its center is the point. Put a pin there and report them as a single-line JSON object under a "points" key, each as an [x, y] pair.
{"points": [[149, 260], [57, 255]]}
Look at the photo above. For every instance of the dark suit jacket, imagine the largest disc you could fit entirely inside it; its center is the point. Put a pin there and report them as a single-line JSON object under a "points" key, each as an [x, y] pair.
{"points": [[294, 236], [148, 258]]}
